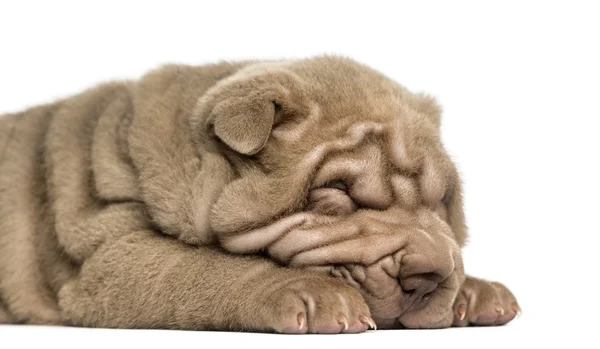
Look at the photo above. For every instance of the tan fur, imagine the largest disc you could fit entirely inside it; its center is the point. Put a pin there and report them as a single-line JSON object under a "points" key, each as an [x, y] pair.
{"points": [[220, 196]]}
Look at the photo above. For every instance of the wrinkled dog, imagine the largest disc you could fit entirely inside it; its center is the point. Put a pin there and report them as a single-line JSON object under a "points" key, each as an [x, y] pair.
{"points": [[290, 196]]}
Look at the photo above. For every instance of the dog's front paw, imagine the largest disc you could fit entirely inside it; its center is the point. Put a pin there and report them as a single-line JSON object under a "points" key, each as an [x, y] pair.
{"points": [[317, 304], [484, 303]]}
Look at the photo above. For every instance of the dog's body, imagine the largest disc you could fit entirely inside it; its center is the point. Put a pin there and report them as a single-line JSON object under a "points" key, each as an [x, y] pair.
{"points": [[222, 196]]}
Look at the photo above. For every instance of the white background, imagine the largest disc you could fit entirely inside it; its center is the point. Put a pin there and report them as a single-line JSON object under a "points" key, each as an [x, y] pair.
{"points": [[519, 83]]}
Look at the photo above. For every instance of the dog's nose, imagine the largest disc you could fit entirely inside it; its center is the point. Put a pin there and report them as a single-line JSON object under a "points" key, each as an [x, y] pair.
{"points": [[420, 285]]}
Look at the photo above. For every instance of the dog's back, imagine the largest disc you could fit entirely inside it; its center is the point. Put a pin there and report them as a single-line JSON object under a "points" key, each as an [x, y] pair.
{"points": [[25, 292], [33, 266], [60, 163]]}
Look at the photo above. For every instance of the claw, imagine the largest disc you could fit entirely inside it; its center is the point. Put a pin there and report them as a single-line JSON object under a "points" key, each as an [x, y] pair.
{"points": [[367, 320], [517, 309], [342, 321], [500, 310], [462, 311], [301, 320]]}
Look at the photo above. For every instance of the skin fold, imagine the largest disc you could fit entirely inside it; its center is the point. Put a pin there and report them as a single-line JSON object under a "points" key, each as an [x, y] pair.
{"points": [[301, 196]]}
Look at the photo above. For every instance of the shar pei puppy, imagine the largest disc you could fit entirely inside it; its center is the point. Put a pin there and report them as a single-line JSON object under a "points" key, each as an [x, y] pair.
{"points": [[300, 196]]}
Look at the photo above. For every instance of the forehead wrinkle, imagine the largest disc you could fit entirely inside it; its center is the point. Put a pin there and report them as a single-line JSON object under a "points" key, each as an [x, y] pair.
{"points": [[340, 168], [356, 135], [371, 188], [432, 180], [372, 191], [398, 142], [405, 190]]}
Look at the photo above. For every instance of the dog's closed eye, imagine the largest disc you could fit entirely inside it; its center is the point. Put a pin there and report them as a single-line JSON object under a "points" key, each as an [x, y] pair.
{"points": [[279, 115], [333, 198], [338, 184]]}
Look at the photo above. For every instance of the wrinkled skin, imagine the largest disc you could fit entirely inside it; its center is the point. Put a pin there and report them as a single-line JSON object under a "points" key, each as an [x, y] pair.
{"points": [[304, 196], [403, 273], [363, 190]]}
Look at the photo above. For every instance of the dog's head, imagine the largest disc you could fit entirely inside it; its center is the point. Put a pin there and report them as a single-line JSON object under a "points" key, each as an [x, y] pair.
{"points": [[341, 169]]}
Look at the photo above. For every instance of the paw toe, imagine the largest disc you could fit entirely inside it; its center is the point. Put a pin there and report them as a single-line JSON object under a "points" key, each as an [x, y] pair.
{"points": [[486, 319], [321, 306], [483, 303]]}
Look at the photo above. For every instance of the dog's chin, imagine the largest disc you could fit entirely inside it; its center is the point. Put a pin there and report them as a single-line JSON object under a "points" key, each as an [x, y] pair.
{"points": [[425, 320], [386, 312], [413, 320], [399, 310], [413, 323], [388, 324]]}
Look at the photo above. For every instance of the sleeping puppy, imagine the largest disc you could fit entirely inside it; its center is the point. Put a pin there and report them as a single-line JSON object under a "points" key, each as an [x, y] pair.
{"points": [[306, 196]]}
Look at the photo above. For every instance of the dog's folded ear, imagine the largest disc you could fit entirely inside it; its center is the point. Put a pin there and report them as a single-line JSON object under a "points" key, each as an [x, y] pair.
{"points": [[241, 110], [244, 122]]}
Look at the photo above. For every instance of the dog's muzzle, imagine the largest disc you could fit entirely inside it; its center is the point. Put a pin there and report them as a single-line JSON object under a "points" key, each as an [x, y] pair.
{"points": [[407, 264]]}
